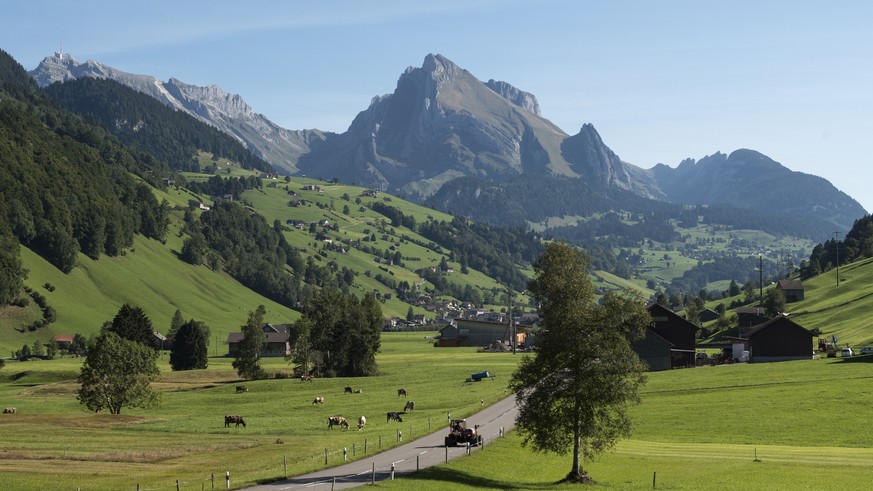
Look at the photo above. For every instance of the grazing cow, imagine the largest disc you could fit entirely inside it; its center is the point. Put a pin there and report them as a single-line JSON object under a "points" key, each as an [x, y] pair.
{"points": [[238, 420], [9, 410], [318, 400], [358, 391], [401, 392], [409, 406], [361, 422], [337, 421], [395, 416], [306, 378], [241, 388], [348, 390]]}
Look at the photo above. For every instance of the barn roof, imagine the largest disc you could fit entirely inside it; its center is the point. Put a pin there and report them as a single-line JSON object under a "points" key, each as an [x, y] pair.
{"points": [[790, 285], [778, 319], [272, 337]]}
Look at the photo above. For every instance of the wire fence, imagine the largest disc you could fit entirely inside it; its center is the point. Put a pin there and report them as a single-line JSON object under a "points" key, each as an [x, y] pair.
{"points": [[225, 478]]}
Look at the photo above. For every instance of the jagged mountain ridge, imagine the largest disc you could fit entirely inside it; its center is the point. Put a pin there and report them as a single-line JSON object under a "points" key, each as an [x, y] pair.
{"points": [[441, 123], [227, 112]]}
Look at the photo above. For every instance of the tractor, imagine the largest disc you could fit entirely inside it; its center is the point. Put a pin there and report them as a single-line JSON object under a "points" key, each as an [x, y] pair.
{"points": [[459, 434]]}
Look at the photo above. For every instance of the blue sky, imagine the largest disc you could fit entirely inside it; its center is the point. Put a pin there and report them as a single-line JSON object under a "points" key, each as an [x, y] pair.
{"points": [[660, 80]]}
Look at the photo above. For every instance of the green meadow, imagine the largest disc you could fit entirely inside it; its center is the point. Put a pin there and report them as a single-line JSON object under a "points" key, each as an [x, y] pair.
{"points": [[698, 428], [780, 426], [52, 441]]}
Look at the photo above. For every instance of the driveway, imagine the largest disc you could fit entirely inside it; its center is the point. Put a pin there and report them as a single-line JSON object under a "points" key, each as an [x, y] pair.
{"points": [[423, 452]]}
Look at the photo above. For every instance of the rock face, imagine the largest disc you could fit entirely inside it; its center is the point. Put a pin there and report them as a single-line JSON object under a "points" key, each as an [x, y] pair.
{"points": [[227, 112], [524, 100], [441, 123], [749, 179]]}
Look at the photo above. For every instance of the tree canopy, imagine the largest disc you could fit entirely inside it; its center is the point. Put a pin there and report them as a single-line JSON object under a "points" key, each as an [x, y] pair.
{"points": [[190, 346], [117, 373], [248, 357], [132, 323], [575, 392]]}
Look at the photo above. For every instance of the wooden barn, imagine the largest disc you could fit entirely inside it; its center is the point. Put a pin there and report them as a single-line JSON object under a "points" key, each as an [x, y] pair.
{"points": [[470, 332], [778, 339], [748, 317], [792, 289], [276, 343], [678, 331], [655, 351]]}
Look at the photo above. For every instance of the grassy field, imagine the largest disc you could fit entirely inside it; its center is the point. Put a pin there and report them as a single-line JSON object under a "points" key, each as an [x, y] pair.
{"points": [[53, 442], [696, 428], [702, 429]]}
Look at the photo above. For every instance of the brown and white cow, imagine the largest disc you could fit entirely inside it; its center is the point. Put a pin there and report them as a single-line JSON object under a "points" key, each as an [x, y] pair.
{"points": [[238, 420], [318, 400], [9, 410], [337, 421], [361, 422]]}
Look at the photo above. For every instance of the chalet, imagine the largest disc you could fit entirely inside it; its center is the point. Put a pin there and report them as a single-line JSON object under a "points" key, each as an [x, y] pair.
{"points": [[312, 187], [275, 344], [160, 340], [63, 341], [778, 339], [655, 351], [419, 319], [750, 316], [678, 331], [370, 192], [469, 332], [707, 315], [193, 203], [792, 289]]}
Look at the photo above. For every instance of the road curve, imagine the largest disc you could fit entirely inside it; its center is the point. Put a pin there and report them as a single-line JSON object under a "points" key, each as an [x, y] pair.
{"points": [[423, 452]]}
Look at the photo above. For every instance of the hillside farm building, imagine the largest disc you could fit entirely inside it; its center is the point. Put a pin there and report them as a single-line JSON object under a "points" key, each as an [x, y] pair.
{"points": [[778, 339], [469, 332]]}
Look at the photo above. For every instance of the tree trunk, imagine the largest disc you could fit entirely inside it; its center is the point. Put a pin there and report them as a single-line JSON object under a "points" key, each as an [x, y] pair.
{"points": [[577, 474]]}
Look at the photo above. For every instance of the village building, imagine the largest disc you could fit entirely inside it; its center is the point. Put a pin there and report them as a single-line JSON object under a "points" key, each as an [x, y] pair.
{"points": [[471, 332], [275, 344], [792, 289], [676, 330], [778, 339]]}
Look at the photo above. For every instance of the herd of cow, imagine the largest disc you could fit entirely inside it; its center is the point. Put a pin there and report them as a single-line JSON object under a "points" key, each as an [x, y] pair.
{"points": [[331, 421]]}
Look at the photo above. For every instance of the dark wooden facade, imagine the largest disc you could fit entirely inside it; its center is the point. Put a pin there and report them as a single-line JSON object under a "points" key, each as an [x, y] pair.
{"points": [[792, 289], [779, 339], [654, 350], [678, 331]]}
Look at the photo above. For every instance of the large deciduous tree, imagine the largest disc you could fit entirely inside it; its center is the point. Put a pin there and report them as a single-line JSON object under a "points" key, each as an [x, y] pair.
{"points": [[248, 357], [190, 346], [117, 373], [345, 333], [573, 394]]}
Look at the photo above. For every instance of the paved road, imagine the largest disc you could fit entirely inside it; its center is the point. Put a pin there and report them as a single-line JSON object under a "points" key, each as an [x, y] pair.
{"points": [[424, 452]]}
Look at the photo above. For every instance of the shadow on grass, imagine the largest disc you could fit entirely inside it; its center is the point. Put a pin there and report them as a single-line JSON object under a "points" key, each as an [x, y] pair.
{"points": [[464, 479], [856, 359]]}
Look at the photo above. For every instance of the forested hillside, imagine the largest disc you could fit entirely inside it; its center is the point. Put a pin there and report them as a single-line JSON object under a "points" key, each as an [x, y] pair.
{"points": [[173, 137], [66, 184]]}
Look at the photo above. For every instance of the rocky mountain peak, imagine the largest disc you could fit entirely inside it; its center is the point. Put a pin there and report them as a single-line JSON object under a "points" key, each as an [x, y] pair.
{"points": [[520, 98]]}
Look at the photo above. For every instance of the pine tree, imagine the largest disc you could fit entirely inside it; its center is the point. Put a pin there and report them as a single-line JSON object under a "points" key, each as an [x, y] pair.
{"points": [[189, 350]]}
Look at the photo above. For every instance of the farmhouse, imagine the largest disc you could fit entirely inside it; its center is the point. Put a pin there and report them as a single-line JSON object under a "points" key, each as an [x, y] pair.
{"points": [[750, 316], [656, 351], [470, 332], [678, 331], [792, 289], [276, 342], [63, 341], [778, 339]]}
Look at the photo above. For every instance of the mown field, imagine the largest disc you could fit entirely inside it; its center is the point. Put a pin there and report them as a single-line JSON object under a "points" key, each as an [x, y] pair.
{"points": [[696, 428], [807, 422], [52, 442]]}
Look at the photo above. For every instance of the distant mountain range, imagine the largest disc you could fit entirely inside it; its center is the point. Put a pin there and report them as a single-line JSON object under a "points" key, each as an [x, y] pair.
{"points": [[441, 124]]}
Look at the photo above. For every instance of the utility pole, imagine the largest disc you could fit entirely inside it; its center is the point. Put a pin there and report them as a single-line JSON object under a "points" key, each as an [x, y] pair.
{"points": [[514, 339], [837, 247], [761, 280]]}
